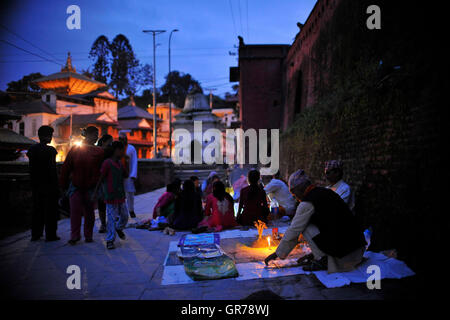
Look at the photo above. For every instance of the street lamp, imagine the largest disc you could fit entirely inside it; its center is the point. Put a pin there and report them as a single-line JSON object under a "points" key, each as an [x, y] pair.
{"points": [[170, 103], [154, 32]]}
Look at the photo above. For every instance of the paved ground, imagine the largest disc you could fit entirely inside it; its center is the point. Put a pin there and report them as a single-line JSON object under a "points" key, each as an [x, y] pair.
{"points": [[37, 270]]}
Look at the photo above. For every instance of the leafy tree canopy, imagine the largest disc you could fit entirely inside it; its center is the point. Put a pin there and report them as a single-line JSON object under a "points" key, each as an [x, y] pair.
{"points": [[178, 85]]}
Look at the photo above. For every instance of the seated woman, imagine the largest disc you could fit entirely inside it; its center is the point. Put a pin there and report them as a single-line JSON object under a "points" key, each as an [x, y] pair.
{"points": [[253, 202], [219, 210], [188, 208], [166, 203], [207, 187]]}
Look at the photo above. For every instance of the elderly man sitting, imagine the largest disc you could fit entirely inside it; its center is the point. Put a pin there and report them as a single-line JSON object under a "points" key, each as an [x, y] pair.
{"points": [[336, 241], [334, 172]]}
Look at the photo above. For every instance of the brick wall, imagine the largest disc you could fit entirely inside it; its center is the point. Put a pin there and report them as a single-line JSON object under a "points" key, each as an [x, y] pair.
{"points": [[386, 122], [260, 85]]}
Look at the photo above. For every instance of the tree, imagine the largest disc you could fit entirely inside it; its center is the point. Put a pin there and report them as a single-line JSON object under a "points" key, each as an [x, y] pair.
{"points": [[140, 76], [123, 63], [26, 84], [24, 89], [101, 54], [178, 86], [87, 73]]}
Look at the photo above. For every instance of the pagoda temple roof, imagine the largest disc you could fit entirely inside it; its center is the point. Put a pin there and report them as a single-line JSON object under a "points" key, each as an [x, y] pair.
{"points": [[68, 81], [134, 112], [135, 124]]}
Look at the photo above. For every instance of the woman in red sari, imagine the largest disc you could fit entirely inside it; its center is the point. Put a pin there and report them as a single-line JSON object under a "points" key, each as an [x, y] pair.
{"points": [[219, 210]]}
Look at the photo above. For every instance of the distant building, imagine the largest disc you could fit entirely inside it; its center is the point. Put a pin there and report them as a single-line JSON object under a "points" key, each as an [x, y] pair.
{"points": [[227, 115], [196, 108], [276, 82], [260, 85], [138, 124], [162, 111]]}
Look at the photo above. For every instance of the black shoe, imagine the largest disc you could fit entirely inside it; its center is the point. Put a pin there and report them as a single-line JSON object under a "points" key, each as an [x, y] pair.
{"points": [[317, 265], [88, 240], [199, 229], [132, 214], [73, 242], [35, 239], [121, 234], [110, 245], [102, 229], [55, 238]]}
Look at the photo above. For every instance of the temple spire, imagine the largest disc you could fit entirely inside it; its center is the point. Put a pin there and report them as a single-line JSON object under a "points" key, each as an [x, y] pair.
{"points": [[132, 103], [68, 67]]}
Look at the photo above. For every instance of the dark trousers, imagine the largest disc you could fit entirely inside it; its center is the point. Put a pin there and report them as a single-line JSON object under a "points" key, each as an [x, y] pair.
{"points": [[45, 214], [81, 205], [102, 212]]}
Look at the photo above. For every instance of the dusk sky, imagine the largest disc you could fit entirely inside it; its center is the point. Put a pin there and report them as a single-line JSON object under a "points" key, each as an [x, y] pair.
{"points": [[208, 32]]}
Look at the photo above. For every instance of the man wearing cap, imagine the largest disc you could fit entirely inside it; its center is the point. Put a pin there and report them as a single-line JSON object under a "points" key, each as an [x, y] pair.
{"points": [[334, 173], [337, 243], [130, 189], [79, 175]]}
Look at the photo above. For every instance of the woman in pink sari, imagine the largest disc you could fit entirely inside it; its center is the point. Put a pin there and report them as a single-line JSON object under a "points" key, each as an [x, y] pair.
{"points": [[219, 210]]}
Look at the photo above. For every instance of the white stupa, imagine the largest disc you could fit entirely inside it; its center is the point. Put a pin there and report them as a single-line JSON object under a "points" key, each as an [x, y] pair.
{"points": [[196, 108]]}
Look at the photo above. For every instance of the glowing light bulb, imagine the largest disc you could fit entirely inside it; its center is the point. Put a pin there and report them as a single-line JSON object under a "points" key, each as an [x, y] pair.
{"points": [[78, 143]]}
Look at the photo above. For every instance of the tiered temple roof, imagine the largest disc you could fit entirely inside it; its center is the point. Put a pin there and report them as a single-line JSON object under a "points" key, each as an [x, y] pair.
{"points": [[68, 81]]}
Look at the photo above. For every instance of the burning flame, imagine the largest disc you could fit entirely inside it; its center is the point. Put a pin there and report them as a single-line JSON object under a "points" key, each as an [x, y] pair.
{"points": [[78, 143], [268, 241]]}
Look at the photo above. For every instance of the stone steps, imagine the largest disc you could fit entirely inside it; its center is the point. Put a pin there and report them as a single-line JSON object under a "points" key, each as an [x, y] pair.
{"points": [[202, 174]]}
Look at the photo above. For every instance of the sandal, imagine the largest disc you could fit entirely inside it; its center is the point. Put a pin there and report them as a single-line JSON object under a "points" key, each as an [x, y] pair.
{"points": [[305, 260]]}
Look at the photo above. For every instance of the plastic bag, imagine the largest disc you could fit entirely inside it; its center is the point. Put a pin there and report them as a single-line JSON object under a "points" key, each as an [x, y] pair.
{"points": [[209, 269]]}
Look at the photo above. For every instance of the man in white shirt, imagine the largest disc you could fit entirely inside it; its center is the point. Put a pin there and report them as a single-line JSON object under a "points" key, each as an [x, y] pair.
{"points": [[279, 191], [129, 182], [334, 173]]}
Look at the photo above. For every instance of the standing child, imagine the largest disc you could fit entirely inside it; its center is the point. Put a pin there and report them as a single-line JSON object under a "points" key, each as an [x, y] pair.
{"points": [[113, 173]]}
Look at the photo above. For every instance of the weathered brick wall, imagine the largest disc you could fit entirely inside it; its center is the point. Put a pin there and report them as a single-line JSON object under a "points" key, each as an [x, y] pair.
{"points": [[387, 125], [260, 85]]}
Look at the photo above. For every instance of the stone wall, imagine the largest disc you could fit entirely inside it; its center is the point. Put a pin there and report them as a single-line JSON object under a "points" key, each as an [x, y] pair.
{"points": [[385, 121], [15, 190]]}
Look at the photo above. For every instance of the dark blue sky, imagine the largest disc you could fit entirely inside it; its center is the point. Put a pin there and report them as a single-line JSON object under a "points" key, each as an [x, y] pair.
{"points": [[207, 33]]}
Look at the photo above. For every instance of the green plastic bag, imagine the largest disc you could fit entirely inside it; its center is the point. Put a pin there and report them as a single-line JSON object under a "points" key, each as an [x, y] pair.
{"points": [[209, 269]]}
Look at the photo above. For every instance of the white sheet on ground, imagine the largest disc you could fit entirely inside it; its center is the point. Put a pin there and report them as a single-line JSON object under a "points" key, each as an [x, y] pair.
{"points": [[390, 268]]}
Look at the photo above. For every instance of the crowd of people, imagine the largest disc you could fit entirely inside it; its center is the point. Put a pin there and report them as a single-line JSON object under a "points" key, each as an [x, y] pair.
{"points": [[102, 174], [96, 174]]}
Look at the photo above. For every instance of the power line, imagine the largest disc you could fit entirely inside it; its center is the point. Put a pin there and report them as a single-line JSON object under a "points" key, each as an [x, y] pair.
{"points": [[29, 52], [232, 17], [240, 17], [30, 43], [141, 57], [248, 30]]}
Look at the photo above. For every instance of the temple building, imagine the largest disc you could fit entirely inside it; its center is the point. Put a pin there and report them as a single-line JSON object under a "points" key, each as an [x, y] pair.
{"points": [[196, 108], [138, 125], [162, 112], [70, 101]]}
